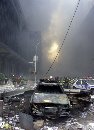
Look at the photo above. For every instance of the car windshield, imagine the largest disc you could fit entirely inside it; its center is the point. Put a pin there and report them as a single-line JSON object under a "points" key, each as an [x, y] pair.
{"points": [[49, 89], [91, 81]]}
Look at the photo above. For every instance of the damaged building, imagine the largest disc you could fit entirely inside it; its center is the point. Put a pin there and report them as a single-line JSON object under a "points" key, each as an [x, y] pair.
{"points": [[14, 53]]}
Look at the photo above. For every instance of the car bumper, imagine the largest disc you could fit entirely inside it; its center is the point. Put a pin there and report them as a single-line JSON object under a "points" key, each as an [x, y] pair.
{"points": [[51, 112]]}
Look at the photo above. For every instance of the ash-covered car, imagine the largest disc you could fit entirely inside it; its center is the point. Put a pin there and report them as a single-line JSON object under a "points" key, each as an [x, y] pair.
{"points": [[82, 84], [49, 100]]}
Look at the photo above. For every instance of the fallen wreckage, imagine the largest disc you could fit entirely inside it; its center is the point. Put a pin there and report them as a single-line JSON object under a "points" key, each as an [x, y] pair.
{"points": [[49, 100]]}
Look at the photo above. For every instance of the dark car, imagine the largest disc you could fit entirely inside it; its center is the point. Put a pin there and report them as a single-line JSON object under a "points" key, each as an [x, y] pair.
{"points": [[50, 100]]}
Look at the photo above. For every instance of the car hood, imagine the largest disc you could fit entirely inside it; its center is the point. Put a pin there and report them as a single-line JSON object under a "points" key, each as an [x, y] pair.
{"points": [[50, 98]]}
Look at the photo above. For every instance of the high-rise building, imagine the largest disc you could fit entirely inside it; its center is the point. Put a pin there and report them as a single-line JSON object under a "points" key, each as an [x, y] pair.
{"points": [[11, 24], [17, 42]]}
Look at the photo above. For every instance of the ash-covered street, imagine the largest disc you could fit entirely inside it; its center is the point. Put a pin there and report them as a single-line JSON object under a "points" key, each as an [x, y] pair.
{"points": [[81, 118]]}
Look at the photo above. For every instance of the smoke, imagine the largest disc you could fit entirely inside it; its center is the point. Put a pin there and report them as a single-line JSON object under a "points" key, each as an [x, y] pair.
{"points": [[53, 33], [51, 18], [80, 53]]}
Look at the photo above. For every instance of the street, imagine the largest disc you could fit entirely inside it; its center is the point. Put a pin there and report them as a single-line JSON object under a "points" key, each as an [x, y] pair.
{"points": [[79, 117]]}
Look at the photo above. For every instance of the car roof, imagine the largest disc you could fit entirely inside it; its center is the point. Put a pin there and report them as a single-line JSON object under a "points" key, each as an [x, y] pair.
{"points": [[85, 79], [44, 83]]}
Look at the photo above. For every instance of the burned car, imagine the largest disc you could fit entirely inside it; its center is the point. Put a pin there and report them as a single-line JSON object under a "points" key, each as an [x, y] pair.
{"points": [[50, 100]]}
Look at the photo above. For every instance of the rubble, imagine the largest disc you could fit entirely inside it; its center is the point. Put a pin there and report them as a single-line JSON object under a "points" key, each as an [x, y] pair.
{"points": [[90, 126], [38, 124], [83, 115], [74, 125], [81, 119], [49, 128]]}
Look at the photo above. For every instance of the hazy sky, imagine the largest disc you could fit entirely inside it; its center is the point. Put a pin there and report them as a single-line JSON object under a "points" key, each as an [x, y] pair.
{"points": [[39, 13], [51, 18]]}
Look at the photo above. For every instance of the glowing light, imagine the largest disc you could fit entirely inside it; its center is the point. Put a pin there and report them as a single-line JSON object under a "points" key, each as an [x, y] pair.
{"points": [[51, 77], [53, 51]]}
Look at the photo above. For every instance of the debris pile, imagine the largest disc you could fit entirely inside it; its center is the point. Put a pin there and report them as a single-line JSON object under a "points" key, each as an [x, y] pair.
{"points": [[73, 124]]}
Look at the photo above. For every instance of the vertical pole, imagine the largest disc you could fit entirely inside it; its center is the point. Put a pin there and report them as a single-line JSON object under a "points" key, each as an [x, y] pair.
{"points": [[35, 63], [35, 68]]}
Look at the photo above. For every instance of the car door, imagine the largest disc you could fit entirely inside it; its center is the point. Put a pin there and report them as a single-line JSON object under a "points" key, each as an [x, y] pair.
{"points": [[78, 84], [84, 84]]}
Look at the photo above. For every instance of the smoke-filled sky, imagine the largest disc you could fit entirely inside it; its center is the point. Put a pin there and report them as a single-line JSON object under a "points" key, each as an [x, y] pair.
{"points": [[51, 18]]}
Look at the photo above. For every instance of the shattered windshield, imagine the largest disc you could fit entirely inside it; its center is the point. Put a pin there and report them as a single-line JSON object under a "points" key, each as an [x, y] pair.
{"points": [[49, 89]]}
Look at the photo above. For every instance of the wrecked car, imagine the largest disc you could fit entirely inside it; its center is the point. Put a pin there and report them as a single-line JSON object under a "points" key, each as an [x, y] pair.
{"points": [[49, 100]]}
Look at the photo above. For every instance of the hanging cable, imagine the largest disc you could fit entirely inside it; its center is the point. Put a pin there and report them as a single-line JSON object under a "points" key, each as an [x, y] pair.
{"points": [[64, 37]]}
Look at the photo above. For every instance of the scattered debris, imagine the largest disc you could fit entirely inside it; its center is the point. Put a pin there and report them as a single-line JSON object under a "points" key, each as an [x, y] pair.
{"points": [[49, 128], [38, 124], [81, 119], [74, 125], [90, 126]]}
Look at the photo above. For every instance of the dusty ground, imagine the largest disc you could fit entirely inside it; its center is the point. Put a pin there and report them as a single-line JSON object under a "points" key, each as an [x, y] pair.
{"points": [[79, 118]]}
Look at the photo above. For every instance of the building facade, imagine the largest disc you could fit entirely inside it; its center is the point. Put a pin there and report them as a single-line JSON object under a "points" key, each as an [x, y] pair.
{"points": [[17, 42], [11, 24]]}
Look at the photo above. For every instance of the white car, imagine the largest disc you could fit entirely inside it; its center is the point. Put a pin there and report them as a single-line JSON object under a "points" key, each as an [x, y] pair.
{"points": [[81, 84]]}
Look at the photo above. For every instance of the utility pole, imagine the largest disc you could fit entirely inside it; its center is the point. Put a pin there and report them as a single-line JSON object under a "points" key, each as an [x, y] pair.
{"points": [[35, 67], [35, 59]]}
